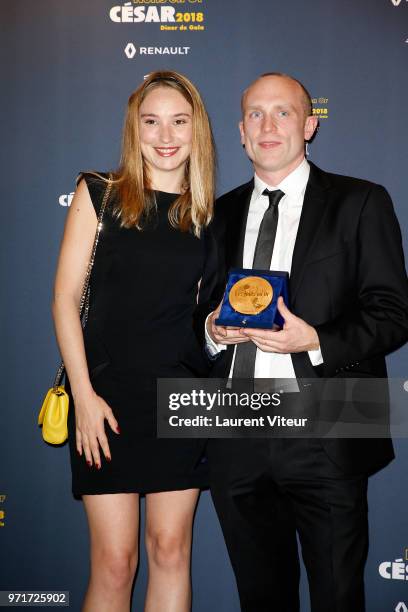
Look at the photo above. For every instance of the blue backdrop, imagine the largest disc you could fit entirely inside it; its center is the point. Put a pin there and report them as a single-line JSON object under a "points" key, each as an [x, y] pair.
{"points": [[68, 68]]}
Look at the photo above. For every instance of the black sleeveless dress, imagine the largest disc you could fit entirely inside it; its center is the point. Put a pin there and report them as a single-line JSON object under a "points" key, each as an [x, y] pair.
{"points": [[143, 300]]}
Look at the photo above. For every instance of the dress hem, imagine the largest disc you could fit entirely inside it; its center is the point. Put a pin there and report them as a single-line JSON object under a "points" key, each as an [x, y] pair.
{"points": [[145, 490]]}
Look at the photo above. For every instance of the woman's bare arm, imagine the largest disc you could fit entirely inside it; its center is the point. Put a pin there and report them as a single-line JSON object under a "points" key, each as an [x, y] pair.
{"points": [[75, 252], [76, 246]]}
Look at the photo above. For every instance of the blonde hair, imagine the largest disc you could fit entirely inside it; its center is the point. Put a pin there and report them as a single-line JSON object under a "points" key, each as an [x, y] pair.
{"points": [[193, 209]]}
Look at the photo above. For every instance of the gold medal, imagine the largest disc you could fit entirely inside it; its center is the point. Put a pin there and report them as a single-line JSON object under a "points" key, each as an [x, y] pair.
{"points": [[251, 295]]}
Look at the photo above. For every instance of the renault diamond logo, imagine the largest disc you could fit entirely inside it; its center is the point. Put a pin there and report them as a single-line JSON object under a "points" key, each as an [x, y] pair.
{"points": [[401, 607], [395, 2], [130, 50]]}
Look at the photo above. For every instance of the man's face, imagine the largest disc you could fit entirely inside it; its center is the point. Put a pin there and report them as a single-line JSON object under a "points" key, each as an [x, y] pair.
{"points": [[275, 126]]}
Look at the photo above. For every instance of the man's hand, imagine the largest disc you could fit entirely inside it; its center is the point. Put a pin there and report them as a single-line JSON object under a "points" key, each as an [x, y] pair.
{"points": [[221, 334], [297, 336]]}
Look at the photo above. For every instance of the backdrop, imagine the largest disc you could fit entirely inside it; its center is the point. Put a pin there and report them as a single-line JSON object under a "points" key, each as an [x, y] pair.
{"points": [[68, 70]]}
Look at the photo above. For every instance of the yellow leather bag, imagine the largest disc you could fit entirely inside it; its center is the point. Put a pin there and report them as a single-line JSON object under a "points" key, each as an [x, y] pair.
{"points": [[54, 411], [54, 416]]}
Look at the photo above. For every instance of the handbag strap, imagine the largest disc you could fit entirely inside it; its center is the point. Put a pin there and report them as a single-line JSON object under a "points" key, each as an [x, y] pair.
{"points": [[84, 301]]}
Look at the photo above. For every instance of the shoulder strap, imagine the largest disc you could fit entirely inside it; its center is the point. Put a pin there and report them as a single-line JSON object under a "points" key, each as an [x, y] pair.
{"points": [[84, 301]]}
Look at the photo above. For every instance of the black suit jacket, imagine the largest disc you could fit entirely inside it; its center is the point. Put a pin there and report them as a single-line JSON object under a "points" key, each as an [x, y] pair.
{"points": [[348, 280]]}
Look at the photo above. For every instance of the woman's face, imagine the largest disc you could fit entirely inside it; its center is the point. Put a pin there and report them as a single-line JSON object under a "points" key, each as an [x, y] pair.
{"points": [[165, 126]]}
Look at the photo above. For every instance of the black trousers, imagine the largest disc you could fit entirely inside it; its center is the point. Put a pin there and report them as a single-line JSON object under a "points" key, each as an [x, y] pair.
{"points": [[267, 490]]}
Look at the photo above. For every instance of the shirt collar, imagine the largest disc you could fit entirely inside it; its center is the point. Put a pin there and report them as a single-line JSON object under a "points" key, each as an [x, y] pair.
{"points": [[293, 184]]}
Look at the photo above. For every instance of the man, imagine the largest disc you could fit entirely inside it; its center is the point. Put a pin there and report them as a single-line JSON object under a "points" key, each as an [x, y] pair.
{"points": [[340, 241]]}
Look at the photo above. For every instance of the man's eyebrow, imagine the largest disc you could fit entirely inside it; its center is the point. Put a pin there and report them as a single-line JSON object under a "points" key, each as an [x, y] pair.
{"points": [[252, 107], [286, 105], [280, 105]]}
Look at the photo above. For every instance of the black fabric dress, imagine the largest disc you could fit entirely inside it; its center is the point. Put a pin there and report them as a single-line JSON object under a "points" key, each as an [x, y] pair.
{"points": [[143, 303]]}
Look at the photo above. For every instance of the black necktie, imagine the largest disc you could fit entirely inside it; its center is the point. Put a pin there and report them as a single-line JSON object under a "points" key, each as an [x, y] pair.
{"points": [[244, 365], [267, 231]]}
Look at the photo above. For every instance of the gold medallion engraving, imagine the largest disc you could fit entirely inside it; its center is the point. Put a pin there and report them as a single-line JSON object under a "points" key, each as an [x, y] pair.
{"points": [[251, 295]]}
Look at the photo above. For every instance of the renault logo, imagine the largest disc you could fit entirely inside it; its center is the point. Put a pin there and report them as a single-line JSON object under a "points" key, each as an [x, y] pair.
{"points": [[130, 50]]}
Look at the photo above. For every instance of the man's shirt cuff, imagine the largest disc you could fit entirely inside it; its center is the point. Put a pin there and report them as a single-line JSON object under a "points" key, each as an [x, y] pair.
{"points": [[316, 357]]}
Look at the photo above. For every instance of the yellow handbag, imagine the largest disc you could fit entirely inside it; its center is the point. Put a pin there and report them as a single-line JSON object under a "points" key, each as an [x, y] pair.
{"points": [[54, 415], [54, 411]]}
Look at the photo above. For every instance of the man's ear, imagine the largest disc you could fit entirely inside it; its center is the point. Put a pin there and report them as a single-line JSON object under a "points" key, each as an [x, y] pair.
{"points": [[311, 124], [241, 131]]}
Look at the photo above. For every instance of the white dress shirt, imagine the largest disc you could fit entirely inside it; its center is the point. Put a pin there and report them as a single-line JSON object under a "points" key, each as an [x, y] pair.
{"points": [[274, 365]]}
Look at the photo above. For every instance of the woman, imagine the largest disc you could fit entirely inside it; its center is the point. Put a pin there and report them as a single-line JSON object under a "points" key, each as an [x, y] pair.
{"points": [[154, 267]]}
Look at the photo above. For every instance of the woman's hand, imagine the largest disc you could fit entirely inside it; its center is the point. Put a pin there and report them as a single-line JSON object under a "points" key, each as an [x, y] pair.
{"points": [[90, 413]]}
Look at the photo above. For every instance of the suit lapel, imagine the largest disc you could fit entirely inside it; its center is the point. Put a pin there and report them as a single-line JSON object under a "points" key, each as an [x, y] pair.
{"points": [[313, 210], [239, 212]]}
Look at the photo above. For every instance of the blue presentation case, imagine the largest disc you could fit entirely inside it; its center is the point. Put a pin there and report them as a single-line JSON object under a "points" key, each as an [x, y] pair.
{"points": [[262, 320]]}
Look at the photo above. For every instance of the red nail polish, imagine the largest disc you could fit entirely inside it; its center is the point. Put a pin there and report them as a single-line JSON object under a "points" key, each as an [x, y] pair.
{"points": [[98, 466], [108, 458], [118, 429], [89, 463]]}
